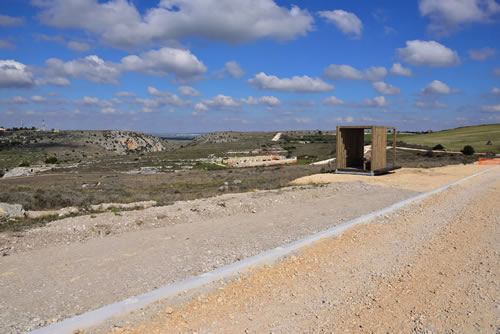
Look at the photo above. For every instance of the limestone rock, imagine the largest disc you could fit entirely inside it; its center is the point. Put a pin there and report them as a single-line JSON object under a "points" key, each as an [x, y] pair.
{"points": [[11, 210]]}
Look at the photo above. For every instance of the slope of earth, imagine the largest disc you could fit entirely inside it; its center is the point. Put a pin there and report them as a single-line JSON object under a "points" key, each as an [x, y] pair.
{"points": [[34, 147], [431, 267], [456, 139]]}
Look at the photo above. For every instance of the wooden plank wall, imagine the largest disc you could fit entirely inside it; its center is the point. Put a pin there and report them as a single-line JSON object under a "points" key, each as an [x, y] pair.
{"points": [[341, 154], [393, 147], [379, 144]]}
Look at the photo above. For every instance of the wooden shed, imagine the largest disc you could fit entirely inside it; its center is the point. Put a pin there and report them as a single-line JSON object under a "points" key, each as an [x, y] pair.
{"points": [[351, 156]]}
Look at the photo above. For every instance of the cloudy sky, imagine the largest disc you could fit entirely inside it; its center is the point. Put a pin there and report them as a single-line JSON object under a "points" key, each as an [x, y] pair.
{"points": [[204, 65]]}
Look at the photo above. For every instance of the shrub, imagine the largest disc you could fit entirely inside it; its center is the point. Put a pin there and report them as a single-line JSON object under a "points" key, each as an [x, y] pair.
{"points": [[438, 147], [115, 211], [24, 164], [468, 150], [51, 160]]}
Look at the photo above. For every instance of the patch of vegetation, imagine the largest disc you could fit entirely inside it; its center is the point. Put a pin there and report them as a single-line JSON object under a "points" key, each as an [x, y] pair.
{"points": [[44, 199], [468, 150], [208, 166], [23, 223], [24, 164], [51, 160], [428, 159], [438, 147], [115, 211]]}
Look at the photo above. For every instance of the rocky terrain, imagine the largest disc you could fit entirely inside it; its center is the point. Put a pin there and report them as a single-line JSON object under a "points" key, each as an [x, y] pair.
{"points": [[121, 142], [124, 142], [217, 138]]}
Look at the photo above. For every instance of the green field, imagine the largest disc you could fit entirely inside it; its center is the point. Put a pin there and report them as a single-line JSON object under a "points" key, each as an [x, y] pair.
{"points": [[456, 139]]}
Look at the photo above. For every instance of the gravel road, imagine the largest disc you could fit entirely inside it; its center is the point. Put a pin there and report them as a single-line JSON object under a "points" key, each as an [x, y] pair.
{"points": [[431, 267], [79, 264]]}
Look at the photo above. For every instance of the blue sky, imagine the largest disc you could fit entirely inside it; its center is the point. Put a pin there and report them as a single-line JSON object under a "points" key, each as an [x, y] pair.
{"points": [[205, 65]]}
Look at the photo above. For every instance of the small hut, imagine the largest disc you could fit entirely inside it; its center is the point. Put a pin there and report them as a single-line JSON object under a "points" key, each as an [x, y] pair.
{"points": [[351, 156]]}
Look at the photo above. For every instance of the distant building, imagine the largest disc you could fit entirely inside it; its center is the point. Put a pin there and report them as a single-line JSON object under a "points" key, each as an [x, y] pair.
{"points": [[2, 129]]}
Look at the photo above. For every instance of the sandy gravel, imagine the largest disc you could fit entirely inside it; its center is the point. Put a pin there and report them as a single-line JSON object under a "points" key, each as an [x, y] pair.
{"points": [[74, 265], [433, 267], [79, 264], [418, 179]]}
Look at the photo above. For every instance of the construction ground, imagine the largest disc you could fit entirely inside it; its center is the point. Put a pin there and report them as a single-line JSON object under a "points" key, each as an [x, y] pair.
{"points": [[431, 266]]}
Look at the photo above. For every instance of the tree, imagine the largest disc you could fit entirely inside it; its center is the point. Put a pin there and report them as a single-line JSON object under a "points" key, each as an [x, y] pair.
{"points": [[468, 150]]}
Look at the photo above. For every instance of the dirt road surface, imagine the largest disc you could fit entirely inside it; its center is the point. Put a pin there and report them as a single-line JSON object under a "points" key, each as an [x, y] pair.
{"points": [[54, 273], [432, 267], [67, 268]]}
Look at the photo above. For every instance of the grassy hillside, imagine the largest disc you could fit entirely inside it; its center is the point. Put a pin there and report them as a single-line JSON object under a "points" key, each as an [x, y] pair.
{"points": [[456, 139]]}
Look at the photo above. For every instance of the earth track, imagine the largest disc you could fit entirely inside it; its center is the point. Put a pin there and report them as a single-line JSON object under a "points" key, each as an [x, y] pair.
{"points": [[434, 266]]}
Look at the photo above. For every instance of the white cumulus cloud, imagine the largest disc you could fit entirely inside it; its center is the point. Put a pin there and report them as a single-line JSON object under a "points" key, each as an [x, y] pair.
{"points": [[398, 69], [430, 105], [54, 81], [428, 53], [118, 22], [448, 15], [437, 87], [200, 107], [234, 69], [125, 94], [303, 120], [38, 99], [90, 101], [108, 110], [163, 98], [385, 88], [221, 101], [346, 22], [347, 72], [495, 91], [14, 74], [188, 91], [348, 119], [377, 101], [14, 100], [182, 63], [90, 68], [270, 101], [332, 101], [303, 84]]}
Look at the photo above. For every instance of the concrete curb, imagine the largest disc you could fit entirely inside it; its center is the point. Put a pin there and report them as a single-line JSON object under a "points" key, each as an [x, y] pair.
{"points": [[269, 257]]}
